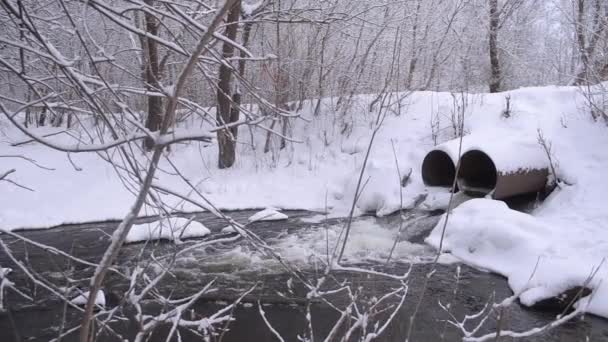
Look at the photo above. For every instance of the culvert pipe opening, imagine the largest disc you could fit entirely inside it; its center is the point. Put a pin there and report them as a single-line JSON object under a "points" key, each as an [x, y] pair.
{"points": [[477, 174], [438, 169]]}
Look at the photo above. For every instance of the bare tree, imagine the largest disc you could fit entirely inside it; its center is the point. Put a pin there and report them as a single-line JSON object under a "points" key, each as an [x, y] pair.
{"points": [[226, 114], [152, 73], [497, 18], [495, 75], [590, 24]]}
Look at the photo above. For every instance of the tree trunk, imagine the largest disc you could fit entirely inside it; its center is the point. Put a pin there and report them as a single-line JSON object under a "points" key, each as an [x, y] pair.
{"points": [[587, 42], [581, 75], [414, 57], [225, 112], [152, 76], [28, 111], [235, 111], [42, 117], [495, 76], [604, 73]]}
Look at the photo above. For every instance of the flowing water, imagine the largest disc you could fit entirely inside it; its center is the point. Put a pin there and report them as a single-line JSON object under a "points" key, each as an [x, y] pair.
{"points": [[236, 266]]}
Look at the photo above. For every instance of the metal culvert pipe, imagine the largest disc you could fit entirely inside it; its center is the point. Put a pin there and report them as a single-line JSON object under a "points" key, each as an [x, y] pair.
{"points": [[481, 174], [439, 165], [438, 169]]}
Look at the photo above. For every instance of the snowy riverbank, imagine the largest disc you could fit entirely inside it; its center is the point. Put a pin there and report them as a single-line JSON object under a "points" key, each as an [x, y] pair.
{"points": [[567, 234]]}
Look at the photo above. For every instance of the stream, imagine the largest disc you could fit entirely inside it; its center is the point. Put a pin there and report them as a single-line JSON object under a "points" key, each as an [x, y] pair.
{"points": [[235, 266]]}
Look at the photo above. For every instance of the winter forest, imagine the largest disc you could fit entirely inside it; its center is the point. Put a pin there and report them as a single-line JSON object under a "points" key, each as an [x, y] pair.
{"points": [[303, 170]]}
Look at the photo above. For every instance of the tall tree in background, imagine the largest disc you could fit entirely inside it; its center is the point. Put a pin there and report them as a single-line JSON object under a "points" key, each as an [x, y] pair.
{"points": [[495, 74], [152, 74], [588, 34], [498, 16], [280, 80], [226, 114]]}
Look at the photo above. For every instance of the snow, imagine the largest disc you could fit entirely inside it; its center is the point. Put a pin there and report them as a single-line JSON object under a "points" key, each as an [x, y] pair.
{"points": [[4, 271], [453, 146], [228, 229], [530, 154], [540, 258], [100, 298], [4, 283], [231, 230], [438, 198], [567, 235], [562, 242], [248, 8], [268, 214], [172, 229], [499, 144], [380, 190]]}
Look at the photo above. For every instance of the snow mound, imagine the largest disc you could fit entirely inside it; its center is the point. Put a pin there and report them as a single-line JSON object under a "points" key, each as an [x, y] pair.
{"points": [[268, 214], [172, 229], [484, 231], [380, 191], [228, 229], [82, 299], [231, 229], [530, 252], [530, 154]]}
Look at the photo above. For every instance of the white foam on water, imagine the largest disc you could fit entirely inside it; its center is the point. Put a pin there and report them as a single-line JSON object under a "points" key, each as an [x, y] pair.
{"points": [[308, 248]]}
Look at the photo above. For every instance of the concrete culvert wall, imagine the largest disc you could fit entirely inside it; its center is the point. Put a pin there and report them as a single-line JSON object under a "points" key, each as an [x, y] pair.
{"points": [[438, 169]]}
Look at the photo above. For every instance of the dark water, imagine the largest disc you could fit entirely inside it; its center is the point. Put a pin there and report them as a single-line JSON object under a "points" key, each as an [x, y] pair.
{"points": [[285, 306]]}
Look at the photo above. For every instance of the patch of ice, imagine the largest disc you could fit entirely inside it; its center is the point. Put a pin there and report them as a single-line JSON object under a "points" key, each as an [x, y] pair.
{"points": [[172, 229]]}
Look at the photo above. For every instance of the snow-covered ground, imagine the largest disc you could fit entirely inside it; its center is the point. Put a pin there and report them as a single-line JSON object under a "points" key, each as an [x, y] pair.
{"points": [[566, 236]]}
